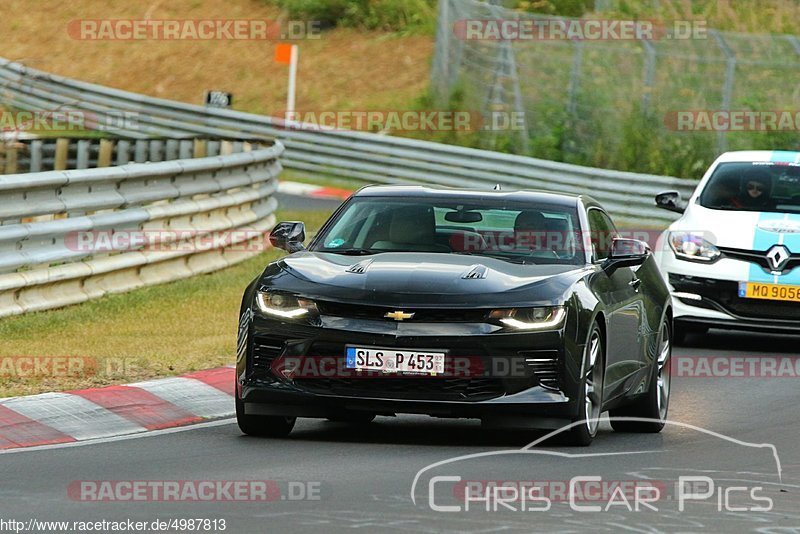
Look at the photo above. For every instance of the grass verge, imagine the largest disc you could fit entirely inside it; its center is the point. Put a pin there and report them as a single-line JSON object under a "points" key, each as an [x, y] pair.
{"points": [[157, 331]]}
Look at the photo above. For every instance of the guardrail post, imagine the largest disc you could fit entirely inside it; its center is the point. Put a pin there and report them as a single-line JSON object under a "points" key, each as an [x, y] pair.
{"points": [[104, 153], [140, 151], [123, 151], [171, 152], [11, 160], [185, 149], [36, 155], [156, 150], [62, 153], [82, 160], [200, 148]]}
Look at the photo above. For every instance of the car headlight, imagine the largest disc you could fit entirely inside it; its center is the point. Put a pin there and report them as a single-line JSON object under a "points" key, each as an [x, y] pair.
{"points": [[543, 318], [693, 247], [284, 305]]}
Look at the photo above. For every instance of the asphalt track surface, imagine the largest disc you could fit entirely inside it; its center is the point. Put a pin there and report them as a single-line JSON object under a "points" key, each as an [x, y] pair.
{"points": [[360, 477]]}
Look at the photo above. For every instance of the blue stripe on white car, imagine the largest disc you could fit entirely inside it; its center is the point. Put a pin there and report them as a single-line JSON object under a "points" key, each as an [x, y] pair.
{"points": [[782, 156], [763, 240]]}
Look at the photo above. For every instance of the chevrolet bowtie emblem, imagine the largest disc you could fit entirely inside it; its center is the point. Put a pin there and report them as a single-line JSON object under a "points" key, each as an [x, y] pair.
{"points": [[399, 315]]}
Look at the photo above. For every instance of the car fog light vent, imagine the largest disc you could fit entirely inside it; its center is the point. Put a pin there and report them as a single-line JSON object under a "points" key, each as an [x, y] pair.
{"points": [[544, 367], [265, 350]]}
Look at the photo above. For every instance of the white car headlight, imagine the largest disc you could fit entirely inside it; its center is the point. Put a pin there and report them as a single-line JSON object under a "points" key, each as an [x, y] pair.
{"points": [[543, 318], [284, 305], [692, 246]]}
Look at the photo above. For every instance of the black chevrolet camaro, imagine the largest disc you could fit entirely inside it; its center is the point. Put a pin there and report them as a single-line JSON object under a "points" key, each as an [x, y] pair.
{"points": [[522, 309]]}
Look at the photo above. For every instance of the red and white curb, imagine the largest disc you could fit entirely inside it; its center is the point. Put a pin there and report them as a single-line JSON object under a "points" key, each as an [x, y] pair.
{"points": [[54, 418], [314, 191]]}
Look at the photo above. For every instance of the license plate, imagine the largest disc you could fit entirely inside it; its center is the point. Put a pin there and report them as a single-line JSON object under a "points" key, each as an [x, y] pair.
{"points": [[394, 361], [757, 290]]}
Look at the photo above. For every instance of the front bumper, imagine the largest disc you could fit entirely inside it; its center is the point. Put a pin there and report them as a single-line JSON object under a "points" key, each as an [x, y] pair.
{"points": [[297, 369], [716, 302]]}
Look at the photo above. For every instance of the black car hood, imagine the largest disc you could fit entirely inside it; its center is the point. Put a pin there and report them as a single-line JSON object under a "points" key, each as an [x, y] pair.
{"points": [[421, 277]]}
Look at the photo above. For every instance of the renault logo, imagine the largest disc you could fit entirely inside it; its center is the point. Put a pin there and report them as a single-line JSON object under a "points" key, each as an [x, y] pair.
{"points": [[777, 257], [399, 315]]}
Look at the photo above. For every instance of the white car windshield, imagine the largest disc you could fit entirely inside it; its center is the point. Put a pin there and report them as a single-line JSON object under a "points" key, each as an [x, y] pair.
{"points": [[753, 186]]}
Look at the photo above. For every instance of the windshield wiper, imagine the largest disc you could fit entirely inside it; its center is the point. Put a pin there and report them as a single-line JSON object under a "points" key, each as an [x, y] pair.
{"points": [[352, 251], [511, 259]]}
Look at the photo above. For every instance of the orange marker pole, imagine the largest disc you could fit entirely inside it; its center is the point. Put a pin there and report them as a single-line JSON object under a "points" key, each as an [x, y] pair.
{"points": [[287, 54]]}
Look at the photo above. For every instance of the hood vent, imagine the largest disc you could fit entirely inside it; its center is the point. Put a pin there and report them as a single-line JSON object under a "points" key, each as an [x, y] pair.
{"points": [[360, 267], [476, 272]]}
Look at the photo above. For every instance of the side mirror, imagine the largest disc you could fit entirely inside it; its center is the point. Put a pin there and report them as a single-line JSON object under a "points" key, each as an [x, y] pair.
{"points": [[671, 201], [626, 253], [288, 236]]}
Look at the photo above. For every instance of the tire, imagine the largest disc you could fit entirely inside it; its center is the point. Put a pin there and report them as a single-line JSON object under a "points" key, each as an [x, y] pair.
{"points": [[265, 426], [592, 386], [655, 403], [353, 417]]}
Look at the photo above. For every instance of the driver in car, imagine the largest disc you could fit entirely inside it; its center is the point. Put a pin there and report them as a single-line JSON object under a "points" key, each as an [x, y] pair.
{"points": [[756, 191], [530, 228]]}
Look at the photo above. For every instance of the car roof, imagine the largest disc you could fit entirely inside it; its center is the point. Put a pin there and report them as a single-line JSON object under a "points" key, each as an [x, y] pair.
{"points": [[443, 192], [766, 156]]}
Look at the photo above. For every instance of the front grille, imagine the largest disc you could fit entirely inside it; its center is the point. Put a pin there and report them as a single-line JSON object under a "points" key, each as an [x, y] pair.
{"points": [[408, 388], [759, 258], [763, 309], [423, 315], [453, 385], [724, 295]]}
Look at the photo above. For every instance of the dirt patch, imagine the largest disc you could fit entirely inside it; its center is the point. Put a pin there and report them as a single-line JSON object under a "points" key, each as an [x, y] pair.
{"points": [[344, 69]]}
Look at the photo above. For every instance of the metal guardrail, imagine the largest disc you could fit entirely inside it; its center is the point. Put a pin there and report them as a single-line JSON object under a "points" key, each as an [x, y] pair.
{"points": [[359, 155], [179, 217]]}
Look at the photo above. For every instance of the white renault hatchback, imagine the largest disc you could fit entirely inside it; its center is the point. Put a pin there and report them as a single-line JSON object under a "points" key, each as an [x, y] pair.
{"points": [[733, 259]]}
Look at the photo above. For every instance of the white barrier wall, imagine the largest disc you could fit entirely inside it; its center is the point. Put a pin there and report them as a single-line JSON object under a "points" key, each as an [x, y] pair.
{"points": [[61, 230]]}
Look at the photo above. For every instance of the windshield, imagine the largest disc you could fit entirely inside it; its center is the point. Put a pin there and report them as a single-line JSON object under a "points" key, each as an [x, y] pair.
{"points": [[759, 186], [512, 231]]}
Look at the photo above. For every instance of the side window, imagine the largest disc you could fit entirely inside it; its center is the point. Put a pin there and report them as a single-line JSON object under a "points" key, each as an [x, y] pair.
{"points": [[603, 231]]}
